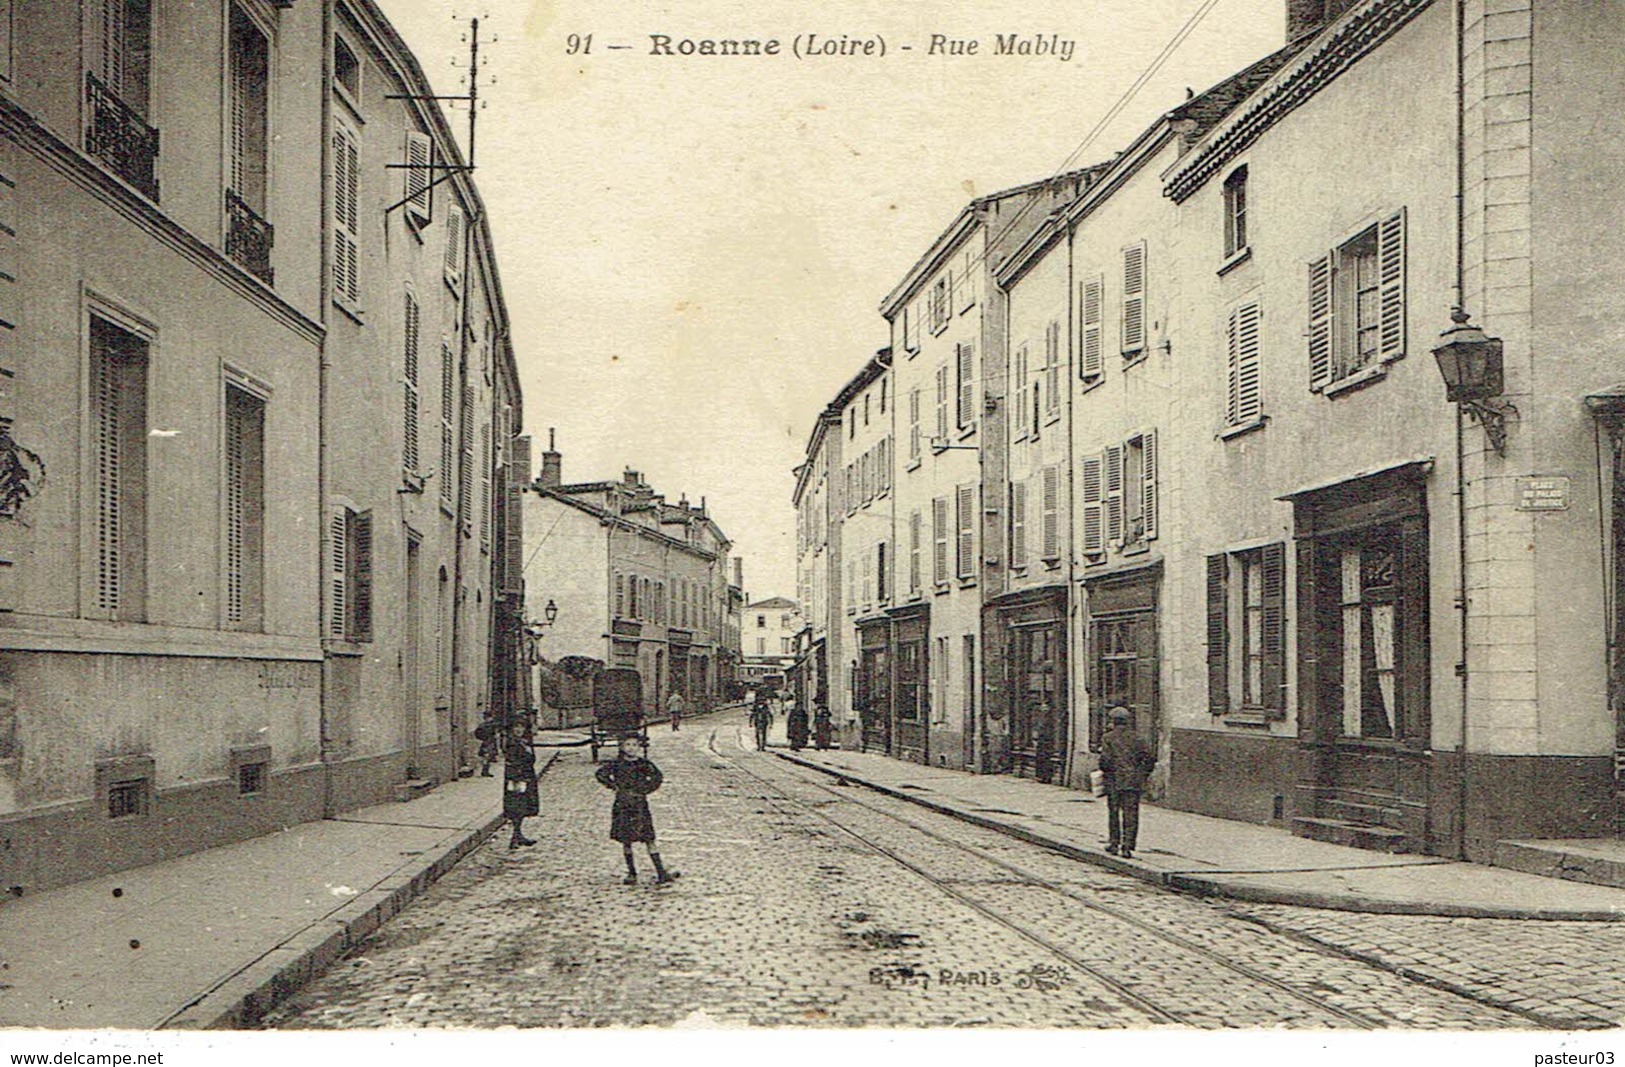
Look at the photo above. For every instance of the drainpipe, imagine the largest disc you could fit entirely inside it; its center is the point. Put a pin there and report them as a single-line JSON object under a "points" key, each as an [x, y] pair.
{"points": [[324, 300], [1462, 789], [1075, 632]]}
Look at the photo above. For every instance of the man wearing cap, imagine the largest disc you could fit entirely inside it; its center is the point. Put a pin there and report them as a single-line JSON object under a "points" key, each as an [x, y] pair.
{"points": [[1125, 763]]}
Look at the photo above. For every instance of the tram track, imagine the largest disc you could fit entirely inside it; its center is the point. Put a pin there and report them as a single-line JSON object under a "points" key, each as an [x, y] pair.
{"points": [[1320, 1010]]}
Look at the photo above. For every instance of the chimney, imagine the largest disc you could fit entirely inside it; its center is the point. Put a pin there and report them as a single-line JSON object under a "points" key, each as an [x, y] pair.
{"points": [[1308, 16], [739, 573], [552, 475], [632, 478]]}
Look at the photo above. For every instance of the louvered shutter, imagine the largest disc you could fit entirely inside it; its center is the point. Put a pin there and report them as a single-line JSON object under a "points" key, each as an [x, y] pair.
{"points": [[914, 537], [1249, 370], [419, 157], [1051, 528], [1134, 298], [942, 405], [448, 400], [1092, 362], [1148, 482], [1093, 517], [454, 247], [1391, 282], [939, 539], [966, 368], [513, 514], [1320, 323], [966, 555], [112, 42], [361, 576], [1114, 494], [485, 486], [409, 390], [106, 426], [1218, 635], [1273, 625], [465, 466], [238, 139], [1019, 392], [1018, 524], [346, 215], [1052, 350], [338, 574], [914, 423]]}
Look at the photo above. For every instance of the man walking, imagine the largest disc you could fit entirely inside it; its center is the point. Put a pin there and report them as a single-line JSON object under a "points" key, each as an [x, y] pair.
{"points": [[674, 708], [761, 717], [1125, 763]]}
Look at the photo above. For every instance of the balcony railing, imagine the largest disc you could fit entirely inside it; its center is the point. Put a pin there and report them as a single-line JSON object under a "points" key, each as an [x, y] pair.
{"points": [[121, 138], [248, 238]]}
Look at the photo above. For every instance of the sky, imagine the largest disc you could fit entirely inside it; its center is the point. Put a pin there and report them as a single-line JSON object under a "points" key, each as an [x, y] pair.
{"points": [[693, 249]]}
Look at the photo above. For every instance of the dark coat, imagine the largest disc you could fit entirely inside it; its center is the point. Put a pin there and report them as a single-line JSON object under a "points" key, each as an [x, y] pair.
{"points": [[1125, 760], [633, 780], [519, 799]]}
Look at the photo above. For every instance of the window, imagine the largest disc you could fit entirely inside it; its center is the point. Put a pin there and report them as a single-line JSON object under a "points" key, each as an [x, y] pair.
{"points": [[1052, 369], [1235, 212], [620, 596], [884, 383], [118, 86], [1051, 529], [851, 423], [128, 798], [248, 236], [880, 572], [761, 646], [939, 540], [118, 428], [1246, 627], [969, 706], [939, 305], [1091, 364], [1018, 380], [632, 598], [1018, 525], [1357, 304], [250, 779], [245, 509], [409, 388], [965, 557], [350, 575], [1091, 476], [418, 190], [1120, 495], [914, 424], [941, 439], [346, 69], [866, 409], [453, 268], [966, 379], [1243, 403], [915, 534], [1134, 299], [761, 622], [465, 462], [448, 403], [911, 328], [485, 487], [967, 288], [346, 216], [787, 646]]}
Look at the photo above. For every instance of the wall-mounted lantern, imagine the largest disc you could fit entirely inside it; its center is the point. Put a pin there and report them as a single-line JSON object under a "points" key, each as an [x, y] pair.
{"points": [[1474, 377]]}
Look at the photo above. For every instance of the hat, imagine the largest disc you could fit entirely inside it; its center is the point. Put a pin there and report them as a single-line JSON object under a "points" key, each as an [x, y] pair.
{"points": [[1119, 714]]}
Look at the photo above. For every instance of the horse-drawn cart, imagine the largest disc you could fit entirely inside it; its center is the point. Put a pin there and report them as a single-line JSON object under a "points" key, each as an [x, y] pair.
{"points": [[617, 706]]}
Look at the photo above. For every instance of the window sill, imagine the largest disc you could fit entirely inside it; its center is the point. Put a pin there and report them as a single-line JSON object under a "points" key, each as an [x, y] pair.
{"points": [[1136, 356], [967, 583], [1018, 570], [350, 104], [967, 432], [412, 482], [334, 646], [447, 510], [1235, 259], [1247, 719], [349, 309], [913, 465], [941, 589], [1052, 418], [1243, 428], [1052, 563], [454, 282], [1092, 381], [1357, 380]]}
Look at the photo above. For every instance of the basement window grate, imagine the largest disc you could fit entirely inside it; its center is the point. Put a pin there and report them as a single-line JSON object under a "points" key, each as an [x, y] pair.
{"points": [[127, 798], [250, 779]]}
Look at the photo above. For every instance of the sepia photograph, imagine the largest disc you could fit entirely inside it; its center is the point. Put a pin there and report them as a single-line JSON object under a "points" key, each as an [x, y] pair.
{"points": [[1098, 523]]}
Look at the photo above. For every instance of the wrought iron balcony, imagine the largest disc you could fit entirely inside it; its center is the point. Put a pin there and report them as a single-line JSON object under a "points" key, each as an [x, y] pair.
{"points": [[248, 238], [121, 138]]}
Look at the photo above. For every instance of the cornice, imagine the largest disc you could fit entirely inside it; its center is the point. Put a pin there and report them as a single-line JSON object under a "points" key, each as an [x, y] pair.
{"points": [[19, 125], [1344, 44]]}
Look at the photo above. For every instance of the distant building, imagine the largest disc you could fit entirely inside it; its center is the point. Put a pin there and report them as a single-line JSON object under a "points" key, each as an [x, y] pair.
{"points": [[637, 582], [768, 638]]}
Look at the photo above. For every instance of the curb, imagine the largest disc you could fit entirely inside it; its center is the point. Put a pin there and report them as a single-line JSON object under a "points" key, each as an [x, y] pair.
{"points": [[1202, 885], [239, 1001]]}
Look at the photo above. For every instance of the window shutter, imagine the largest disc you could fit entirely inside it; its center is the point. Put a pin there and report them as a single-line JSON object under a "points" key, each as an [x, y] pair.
{"points": [[1019, 392], [914, 423], [454, 246], [966, 555], [1273, 645], [1134, 298], [1052, 350], [419, 157], [1320, 323], [1249, 395], [1148, 501], [338, 573], [1391, 282], [485, 486], [942, 404], [967, 369], [967, 288], [1051, 529], [1018, 524], [361, 576], [1114, 493], [1092, 362], [939, 538], [1094, 535], [448, 396], [409, 360], [346, 215], [105, 395], [465, 465], [1218, 635], [914, 536], [236, 483]]}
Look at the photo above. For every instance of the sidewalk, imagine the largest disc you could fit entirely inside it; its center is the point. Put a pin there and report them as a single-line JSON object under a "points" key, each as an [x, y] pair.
{"points": [[216, 938], [1222, 857]]}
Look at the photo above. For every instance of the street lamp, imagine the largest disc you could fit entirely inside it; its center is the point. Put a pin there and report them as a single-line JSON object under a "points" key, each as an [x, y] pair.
{"points": [[536, 629], [1474, 377]]}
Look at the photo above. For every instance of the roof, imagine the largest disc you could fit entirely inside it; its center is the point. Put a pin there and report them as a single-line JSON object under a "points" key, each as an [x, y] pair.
{"points": [[1207, 110], [774, 602]]}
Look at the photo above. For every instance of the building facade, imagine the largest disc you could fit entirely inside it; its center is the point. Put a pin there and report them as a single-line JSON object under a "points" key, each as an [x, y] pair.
{"points": [[637, 582], [769, 639], [184, 664]]}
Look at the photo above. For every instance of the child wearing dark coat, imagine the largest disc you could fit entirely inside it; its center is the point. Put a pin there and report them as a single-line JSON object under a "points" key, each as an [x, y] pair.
{"points": [[519, 780], [634, 777]]}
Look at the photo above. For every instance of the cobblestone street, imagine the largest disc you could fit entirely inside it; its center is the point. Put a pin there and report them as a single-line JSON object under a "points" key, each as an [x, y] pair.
{"points": [[803, 902]]}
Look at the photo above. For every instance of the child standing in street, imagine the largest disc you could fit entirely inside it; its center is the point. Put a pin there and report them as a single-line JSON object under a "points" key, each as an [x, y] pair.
{"points": [[634, 777]]}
